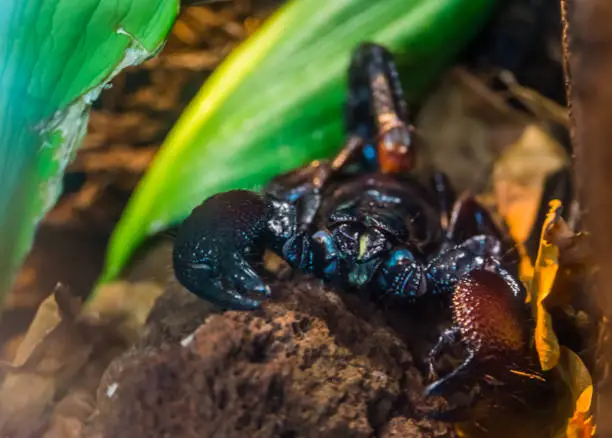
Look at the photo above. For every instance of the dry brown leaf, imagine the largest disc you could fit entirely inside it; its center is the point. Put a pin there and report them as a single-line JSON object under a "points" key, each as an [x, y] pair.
{"points": [[542, 107], [519, 175], [465, 126], [46, 319], [63, 341], [52, 353], [128, 302], [575, 262], [70, 415]]}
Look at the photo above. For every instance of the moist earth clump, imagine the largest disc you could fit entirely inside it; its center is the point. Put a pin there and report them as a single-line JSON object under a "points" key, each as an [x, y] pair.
{"points": [[310, 362]]}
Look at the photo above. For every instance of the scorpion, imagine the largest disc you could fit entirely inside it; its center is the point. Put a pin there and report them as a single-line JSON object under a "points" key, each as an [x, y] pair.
{"points": [[362, 221]]}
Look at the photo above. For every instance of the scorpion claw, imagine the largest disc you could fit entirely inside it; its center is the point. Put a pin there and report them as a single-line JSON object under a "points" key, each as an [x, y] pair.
{"points": [[215, 245], [244, 278], [198, 279], [235, 301], [235, 285]]}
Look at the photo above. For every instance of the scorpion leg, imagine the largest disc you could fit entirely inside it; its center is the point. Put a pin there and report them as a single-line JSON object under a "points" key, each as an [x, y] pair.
{"points": [[445, 196], [472, 237], [304, 186], [451, 380], [316, 254], [461, 392], [326, 262], [450, 265], [469, 218], [218, 243], [448, 337]]}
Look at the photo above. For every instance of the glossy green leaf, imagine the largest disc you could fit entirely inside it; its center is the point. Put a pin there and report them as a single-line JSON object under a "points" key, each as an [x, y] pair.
{"points": [[277, 101], [55, 58]]}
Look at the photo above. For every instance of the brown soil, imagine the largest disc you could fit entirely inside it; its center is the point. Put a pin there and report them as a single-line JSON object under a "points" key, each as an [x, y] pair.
{"points": [[309, 363]]}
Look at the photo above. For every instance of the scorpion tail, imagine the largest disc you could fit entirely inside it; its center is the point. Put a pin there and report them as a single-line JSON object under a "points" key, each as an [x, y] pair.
{"points": [[376, 108]]}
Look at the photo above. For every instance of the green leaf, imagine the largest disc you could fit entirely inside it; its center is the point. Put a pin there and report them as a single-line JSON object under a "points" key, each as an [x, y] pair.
{"points": [[276, 103], [56, 56]]}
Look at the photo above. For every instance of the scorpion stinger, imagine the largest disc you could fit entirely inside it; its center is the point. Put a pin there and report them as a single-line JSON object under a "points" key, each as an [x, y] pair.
{"points": [[374, 66]]}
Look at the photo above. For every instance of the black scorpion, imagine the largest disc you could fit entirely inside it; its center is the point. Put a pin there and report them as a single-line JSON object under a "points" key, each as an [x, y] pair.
{"points": [[363, 221]]}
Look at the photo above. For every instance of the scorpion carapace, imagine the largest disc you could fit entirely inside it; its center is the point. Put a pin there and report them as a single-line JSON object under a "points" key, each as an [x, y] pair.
{"points": [[360, 221]]}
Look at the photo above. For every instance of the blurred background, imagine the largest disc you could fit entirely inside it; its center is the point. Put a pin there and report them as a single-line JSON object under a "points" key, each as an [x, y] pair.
{"points": [[127, 126]]}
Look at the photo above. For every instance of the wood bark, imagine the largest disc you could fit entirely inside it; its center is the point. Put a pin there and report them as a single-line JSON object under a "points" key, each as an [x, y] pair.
{"points": [[588, 65]]}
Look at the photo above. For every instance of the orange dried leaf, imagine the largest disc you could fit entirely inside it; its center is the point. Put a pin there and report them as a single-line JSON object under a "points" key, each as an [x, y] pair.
{"points": [[526, 268], [545, 271], [580, 426], [580, 384]]}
